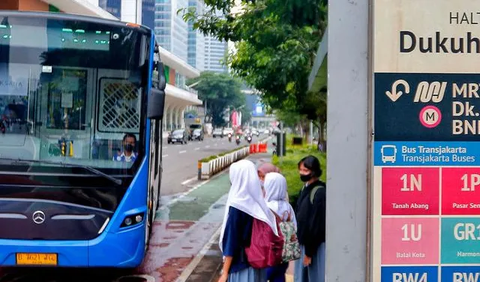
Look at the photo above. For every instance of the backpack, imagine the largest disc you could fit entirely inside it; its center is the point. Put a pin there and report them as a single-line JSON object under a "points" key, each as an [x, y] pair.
{"points": [[291, 246], [314, 191], [265, 248]]}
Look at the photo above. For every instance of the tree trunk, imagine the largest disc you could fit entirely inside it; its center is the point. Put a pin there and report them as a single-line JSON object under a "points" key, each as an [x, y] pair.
{"points": [[322, 144]]}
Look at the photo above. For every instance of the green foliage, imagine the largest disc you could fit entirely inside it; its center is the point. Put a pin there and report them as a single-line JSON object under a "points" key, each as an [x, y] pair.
{"points": [[191, 112], [276, 42], [289, 166], [246, 114], [206, 160], [220, 91]]}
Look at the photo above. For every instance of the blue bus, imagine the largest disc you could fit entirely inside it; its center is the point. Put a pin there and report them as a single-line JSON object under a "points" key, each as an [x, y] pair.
{"points": [[81, 106]]}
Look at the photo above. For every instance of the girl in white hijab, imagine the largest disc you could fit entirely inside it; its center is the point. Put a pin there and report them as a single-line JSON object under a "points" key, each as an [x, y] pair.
{"points": [[275, 186], [276, 196], [245, 202]]}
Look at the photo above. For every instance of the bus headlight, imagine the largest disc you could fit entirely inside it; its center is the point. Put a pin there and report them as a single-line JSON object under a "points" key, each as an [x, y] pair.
{"points": [[132, 220]]}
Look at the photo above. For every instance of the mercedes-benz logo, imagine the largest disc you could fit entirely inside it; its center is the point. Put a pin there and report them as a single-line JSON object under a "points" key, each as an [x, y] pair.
{"points": [[38, 217]]}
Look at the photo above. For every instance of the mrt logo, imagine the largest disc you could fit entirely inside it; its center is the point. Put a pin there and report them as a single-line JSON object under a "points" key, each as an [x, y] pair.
{"points": [[430, 92]]}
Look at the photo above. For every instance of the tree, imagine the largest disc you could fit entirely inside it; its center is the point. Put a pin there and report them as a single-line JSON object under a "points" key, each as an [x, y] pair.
{"points": [[276, 43], [219, 91], [246, 114]]}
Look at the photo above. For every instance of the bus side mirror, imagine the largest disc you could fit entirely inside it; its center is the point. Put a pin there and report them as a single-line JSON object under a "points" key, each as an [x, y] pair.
{"points": [[156, 104]]}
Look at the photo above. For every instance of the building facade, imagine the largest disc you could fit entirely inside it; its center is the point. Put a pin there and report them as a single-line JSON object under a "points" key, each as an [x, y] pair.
{"points": [[170, 28], [196, 40], [216, 53]]}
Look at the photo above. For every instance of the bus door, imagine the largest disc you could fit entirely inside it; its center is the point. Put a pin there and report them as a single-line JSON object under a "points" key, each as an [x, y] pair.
{"points": [[64, 109]]}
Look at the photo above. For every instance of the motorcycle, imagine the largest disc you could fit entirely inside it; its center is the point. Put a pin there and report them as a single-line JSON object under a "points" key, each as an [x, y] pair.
{"points": [[229, 137], [249, 139], [238, 140]]}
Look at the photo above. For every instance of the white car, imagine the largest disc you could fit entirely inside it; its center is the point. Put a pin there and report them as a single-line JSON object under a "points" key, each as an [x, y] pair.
{"points": [[218, 132], [226, 131]]}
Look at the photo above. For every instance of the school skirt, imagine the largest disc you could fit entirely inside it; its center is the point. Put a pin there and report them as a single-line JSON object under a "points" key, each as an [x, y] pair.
{"points": [[315, 272], [248, 275]]}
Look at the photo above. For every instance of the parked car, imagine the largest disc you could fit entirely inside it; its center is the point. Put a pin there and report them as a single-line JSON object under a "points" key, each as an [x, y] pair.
{"points": [[179, 135], [255, 132], [218, 132], [197, 134]]}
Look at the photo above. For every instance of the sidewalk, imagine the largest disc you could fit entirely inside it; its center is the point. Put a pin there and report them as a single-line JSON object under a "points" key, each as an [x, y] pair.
{"points": [[184, 240]]}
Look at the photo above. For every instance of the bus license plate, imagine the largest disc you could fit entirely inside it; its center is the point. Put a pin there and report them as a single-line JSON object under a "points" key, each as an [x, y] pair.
{"points": [[36, 259]]}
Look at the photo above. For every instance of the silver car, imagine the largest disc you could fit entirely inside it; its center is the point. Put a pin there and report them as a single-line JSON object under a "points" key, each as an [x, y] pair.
{"points": [[218, 132]]}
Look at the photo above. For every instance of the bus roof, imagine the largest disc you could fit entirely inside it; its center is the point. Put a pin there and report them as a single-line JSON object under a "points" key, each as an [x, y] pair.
{"points": [[71, 17]]}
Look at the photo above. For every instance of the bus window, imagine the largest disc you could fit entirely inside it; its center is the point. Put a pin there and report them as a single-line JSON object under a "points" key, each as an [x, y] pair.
{"points": [[67, 90]]}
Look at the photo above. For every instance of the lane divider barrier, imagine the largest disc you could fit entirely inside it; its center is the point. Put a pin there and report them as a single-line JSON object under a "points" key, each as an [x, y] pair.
{"points": [[260, 147]]}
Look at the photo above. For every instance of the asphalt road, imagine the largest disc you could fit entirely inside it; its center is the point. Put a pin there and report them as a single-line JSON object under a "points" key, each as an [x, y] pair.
{"points": [[180, 161]]}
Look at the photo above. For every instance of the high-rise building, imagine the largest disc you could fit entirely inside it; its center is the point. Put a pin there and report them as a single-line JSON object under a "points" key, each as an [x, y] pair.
{"points": [[170, 28], [172, 32], [114, 7], [148, 13], [216, 52], [196, 40]]}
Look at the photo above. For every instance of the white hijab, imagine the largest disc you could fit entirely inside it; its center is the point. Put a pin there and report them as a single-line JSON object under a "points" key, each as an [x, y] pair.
{"points": [[246, 195], [276, 196]]}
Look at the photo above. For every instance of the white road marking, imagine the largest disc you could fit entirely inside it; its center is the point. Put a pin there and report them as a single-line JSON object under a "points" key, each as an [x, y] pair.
{"points": [[189, 180], [182, 152], [165, 147], [196, 149], [164, 156], [215, 144], [207, 146]]}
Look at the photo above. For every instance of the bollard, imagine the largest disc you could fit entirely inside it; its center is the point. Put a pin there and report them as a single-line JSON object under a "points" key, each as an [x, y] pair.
{"points": [[199, 171]]}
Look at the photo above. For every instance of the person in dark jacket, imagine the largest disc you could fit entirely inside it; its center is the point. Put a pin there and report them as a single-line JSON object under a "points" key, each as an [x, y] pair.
{"points": [[310, 212]]}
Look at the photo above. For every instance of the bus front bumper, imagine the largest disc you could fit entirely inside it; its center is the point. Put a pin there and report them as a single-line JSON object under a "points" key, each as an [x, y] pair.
{"points": [[124, 249]]}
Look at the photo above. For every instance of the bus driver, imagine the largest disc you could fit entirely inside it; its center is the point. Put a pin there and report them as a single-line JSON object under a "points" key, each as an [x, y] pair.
{"points": [[128, 154]]}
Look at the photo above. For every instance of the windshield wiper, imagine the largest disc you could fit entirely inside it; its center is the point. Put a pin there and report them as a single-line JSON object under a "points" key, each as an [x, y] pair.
{"points": [[91, 169]]}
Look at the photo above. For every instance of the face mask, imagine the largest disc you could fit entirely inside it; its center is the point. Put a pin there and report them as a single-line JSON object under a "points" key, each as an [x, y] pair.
{"points": [[128, 147], [305, 178]]}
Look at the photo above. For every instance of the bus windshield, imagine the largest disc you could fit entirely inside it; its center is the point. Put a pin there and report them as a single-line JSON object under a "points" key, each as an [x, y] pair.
{"points": [[72, 92]]}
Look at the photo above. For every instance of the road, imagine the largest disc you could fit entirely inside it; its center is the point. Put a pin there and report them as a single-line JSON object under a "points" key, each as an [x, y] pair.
{"points": [[179, 174], [180, 161]]}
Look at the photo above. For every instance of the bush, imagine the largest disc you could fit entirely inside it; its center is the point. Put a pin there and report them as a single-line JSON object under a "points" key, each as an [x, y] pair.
{"points": [[288, 166], [206, 160]]}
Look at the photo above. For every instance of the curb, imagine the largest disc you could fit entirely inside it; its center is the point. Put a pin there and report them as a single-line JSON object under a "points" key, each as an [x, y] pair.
{"points": [[198, 258]]}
